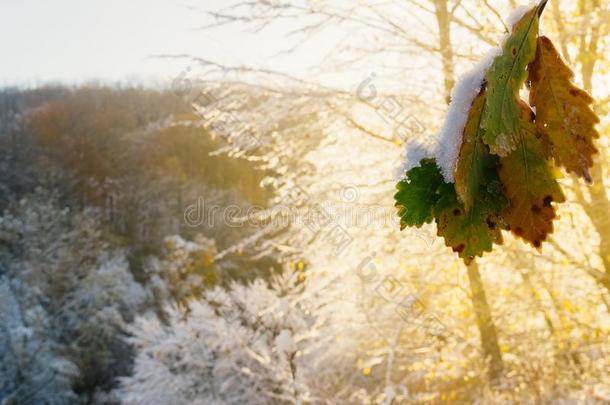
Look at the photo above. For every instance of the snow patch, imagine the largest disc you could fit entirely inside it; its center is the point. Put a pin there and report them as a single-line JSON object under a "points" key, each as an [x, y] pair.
{"points": [[518, 13], [285, 342], [415, 152], [449, 139], [462, 96]]}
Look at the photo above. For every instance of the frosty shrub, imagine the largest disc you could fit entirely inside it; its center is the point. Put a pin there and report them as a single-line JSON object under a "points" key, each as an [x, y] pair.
{"points": [[184, 270], [31, 370], [234, 346], [66, 297]]}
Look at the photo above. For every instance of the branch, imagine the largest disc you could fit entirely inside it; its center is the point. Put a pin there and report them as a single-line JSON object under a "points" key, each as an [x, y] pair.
{"points": [[356, 125]]}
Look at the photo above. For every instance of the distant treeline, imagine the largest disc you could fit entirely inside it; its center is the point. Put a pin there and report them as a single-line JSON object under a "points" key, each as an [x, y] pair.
{"points": [[137, 155]]}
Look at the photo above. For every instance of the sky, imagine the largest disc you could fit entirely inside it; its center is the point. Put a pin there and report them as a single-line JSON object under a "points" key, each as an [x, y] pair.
{"points": [[75, 41]]}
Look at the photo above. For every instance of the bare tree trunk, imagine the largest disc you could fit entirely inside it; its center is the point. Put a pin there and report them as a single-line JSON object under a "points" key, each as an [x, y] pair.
{"points": [[443, 18], [598, 208], [561, 29], [487, 329], [588, 51]]}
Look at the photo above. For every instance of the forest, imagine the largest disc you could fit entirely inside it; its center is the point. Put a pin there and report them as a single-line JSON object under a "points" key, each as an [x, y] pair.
{"points": [[244, 235]]}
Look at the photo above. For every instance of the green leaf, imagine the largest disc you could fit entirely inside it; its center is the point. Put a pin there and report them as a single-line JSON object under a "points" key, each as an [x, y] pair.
{"points": [[476, 167], [504, 179], [424, 196], [473, 232], [417, 195], [505, 79]]}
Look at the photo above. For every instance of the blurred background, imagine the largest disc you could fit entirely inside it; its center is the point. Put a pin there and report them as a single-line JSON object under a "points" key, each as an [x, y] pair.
{"points": [[196, 206]]}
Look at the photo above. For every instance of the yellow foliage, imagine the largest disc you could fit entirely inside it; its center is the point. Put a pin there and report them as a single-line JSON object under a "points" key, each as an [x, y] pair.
{"points": [[564, 116]]}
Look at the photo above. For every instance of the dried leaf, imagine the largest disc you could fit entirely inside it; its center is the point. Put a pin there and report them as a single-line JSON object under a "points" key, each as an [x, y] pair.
{"points": [[564, 116], [530, 185]]}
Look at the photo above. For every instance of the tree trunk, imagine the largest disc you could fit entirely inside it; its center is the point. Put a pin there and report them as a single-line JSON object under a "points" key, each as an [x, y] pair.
{"points": [[487, 329], [443, 18], [588, 51], [598, 208], [561, 29]]}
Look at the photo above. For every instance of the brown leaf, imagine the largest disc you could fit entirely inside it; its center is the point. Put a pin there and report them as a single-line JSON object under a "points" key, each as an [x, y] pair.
{"points": [[563, 112], [530, 185]]}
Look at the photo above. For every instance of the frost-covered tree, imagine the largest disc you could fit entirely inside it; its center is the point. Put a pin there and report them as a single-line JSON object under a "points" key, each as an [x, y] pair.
{"points": [[234, 346], [183, 271], [74, 296], [32, 369], [345, 172]]}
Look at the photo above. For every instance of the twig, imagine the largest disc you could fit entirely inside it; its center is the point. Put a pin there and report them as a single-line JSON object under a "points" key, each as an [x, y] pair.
{"points": [[541, 7]]}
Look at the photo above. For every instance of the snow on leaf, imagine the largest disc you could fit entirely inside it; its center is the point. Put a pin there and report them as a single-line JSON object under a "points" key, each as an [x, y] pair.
{"points": [[517, 14], [475, 165], [530, 185], [417, 194], [496, 151], [462, 97], [416, 151], [505, 79], [564, 115]]}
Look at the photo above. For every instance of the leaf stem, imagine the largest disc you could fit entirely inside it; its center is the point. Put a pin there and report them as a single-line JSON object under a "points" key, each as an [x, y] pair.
{"points": [[541, 7]]}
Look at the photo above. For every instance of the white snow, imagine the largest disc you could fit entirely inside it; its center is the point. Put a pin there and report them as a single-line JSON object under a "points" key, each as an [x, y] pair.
{"points": [[449, 138], [415, 152], [518, 13], [285, 343], [462, 96]]}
